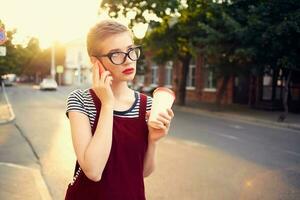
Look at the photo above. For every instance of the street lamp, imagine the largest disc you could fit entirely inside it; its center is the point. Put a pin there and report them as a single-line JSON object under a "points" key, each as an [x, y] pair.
{"points": [[52, 61]]}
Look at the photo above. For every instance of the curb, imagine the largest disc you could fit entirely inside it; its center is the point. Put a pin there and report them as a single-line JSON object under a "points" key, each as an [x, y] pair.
{"points": [[12, 114], [239, 118], [38, 179]]}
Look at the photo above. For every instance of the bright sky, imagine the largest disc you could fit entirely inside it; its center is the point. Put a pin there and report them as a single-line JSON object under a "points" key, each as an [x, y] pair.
{"points": [[53, 20]]}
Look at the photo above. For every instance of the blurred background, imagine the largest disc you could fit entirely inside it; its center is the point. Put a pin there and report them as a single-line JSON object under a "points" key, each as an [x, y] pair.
{"points": [[233, 64]]}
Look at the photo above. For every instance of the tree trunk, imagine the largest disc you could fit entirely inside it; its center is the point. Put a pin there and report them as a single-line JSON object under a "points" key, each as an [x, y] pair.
{"points": [[222, 91], [182, 83], [251, 99], [258, 90], [283, 116], [274, 85]]}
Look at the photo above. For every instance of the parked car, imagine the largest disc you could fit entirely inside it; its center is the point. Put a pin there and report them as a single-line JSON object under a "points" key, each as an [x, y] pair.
{"points": [[8, 79], [48, 84], [7, 82]]}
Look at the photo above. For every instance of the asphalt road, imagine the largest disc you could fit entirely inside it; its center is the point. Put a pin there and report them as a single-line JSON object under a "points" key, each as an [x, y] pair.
{"points": [[202, 158]]}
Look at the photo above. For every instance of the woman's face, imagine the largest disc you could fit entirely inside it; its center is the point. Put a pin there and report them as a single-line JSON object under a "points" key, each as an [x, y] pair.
{"points": [[118, 43]]}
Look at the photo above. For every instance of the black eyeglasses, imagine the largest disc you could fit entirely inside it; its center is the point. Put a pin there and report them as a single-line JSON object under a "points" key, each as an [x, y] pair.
{"points": [[119, 57]]}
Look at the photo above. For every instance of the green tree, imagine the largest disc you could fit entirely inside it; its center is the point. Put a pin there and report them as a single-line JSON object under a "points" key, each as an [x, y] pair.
{"points": [[219, 41], [234, 36], [30, 60], [140, 7], [174, 39], [31, 54], [272, 31], [200, 26], [8, 63], [19, 59], [167, 40]]}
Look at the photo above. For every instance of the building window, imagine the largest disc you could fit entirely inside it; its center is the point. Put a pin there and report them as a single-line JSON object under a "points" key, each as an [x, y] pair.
{"points": [[154, 75], [169, 74], [280, 85], [267, 84], [209, 78], [191, 81]]}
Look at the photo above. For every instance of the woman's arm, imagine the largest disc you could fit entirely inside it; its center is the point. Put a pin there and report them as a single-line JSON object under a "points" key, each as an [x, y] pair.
{"points": [[92, 152], [153, 136], [149, 160]]}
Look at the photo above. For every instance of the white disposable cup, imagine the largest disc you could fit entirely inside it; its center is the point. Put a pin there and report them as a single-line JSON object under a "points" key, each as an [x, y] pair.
{"points": [[163, 98]]}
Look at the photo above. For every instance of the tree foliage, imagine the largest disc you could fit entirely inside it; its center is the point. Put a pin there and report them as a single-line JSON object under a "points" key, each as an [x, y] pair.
{"points": [[233, 36], [30, 60]]}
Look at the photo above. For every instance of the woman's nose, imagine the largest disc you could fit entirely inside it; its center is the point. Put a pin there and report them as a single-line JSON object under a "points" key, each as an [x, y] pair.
{"points": [[128, 61]]}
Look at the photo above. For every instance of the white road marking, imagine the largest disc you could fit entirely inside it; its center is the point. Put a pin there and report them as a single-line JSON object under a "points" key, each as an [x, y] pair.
{"points": [[236, 127], [194, 144], [292, 153], [190, 143], [185, 142], [228, 136], [169, 141]]}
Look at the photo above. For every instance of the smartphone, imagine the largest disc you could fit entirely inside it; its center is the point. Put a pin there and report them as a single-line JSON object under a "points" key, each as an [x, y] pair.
{"points": [[101, 68]]}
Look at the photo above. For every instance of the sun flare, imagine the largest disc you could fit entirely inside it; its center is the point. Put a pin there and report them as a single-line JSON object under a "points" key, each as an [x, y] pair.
{"points": [[53, 20]]}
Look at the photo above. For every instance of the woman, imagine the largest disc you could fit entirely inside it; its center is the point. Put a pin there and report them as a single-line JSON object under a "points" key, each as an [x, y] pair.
{"points": [[114, 146]]}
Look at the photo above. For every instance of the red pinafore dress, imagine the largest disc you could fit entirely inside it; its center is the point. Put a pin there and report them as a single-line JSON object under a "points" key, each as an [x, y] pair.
{"points": [[122, 178]]}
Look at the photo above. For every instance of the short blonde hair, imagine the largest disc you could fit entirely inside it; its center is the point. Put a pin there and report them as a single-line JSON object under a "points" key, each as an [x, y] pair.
{"points": [[101, 31]]}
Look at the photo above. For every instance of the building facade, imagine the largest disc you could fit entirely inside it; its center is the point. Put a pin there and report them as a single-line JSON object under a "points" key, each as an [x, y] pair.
{"points": [[202, 84], [78, 68], [262, 91]]}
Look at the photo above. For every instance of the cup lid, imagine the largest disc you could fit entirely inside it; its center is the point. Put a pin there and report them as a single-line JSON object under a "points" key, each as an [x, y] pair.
{"points": [[165, 90]]}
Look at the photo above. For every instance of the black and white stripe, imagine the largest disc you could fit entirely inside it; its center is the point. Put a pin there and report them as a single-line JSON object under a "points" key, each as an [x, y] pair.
{"points": [[81, 101]]}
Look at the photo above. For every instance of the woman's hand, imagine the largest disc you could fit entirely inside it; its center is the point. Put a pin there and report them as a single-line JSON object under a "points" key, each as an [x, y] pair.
{"points": [[102, 85], [165, 119]]}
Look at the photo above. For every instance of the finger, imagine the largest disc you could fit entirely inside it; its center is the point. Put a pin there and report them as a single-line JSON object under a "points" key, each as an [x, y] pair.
{"points": [[108, 80], [104, 76], [165, 116], [163, 120], [160, 127], [170, 112]]}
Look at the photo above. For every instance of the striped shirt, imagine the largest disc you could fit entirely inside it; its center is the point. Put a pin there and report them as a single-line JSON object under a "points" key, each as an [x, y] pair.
{"points": [[81, 101]]}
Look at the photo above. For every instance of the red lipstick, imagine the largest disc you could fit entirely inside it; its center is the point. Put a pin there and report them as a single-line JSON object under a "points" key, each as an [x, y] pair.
{"points": [[128, 71]]}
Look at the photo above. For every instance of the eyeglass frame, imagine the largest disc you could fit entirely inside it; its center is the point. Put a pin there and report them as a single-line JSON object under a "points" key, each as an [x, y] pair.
{"points": [[109, 55]]}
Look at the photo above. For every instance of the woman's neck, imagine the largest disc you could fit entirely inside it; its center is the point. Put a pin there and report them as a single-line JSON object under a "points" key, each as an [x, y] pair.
{"points": [[120, 89]]}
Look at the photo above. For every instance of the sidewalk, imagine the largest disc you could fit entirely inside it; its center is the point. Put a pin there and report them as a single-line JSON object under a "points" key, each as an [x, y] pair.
{"points": [[6, 112], [20, 173], [243, 113]]}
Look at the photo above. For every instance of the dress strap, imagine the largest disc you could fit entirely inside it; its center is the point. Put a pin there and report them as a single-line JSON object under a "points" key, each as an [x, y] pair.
{"points": [[97, 103], [143, 106]]}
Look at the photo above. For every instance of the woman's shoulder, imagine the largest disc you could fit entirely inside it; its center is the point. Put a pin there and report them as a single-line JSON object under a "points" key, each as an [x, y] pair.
{"points": [[79, 100], [80, 93], [82, 96], [149, 99]]}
